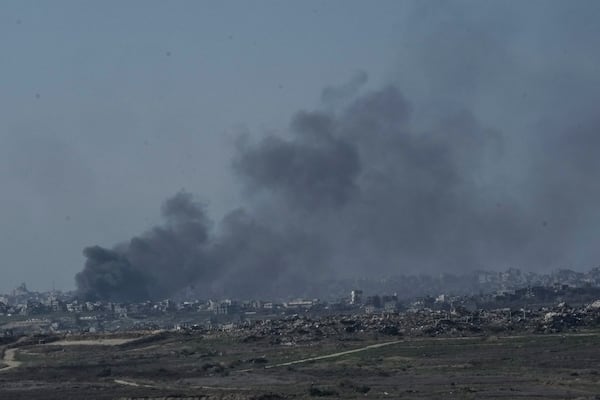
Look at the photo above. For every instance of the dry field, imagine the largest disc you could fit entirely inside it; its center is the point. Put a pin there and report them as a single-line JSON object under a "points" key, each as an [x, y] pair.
{"points": [[222, 366]]}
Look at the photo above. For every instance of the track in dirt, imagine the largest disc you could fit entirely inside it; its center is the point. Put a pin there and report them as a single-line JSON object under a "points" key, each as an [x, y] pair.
{"points": [[9, 360], [326, 356], [10, 354]]}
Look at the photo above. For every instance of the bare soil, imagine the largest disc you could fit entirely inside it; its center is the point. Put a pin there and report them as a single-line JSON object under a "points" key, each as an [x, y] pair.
{"points": [[222, 366]]}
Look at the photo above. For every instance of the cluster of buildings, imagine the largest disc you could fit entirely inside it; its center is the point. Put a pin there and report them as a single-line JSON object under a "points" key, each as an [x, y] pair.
{"points": [[26, 312], [468, 283]]}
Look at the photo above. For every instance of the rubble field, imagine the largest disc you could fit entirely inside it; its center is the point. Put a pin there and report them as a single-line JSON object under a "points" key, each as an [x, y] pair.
{"points": [[298, 363]]}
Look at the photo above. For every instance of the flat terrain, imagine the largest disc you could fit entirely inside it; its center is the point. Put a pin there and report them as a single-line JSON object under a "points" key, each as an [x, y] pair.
{"points": [[233, 366], [92, 342]]}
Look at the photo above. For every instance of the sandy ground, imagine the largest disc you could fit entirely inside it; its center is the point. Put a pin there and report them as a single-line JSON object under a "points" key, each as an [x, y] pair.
{"points": [[553, 367], [304, 360], [92, 342], [9, 360], [9, 354]]}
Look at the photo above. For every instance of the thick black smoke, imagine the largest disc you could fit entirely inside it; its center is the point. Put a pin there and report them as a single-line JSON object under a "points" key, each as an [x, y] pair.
{"points": [[315, 169], [374, 185], [108, 274], [183, 254], [385, 197], [155, 264], [362, 191]]}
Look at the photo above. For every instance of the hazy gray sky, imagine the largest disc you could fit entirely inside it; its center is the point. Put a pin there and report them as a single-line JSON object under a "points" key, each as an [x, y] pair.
{"points": [[109, 107]]}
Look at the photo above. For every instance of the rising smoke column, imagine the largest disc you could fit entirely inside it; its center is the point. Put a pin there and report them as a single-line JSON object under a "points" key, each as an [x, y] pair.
{"points": [[263, 258], [388, 198], [362, 191], [245, 257], [108, 275], [155, 264], [313, 170], [359, 191], [493, 163]]}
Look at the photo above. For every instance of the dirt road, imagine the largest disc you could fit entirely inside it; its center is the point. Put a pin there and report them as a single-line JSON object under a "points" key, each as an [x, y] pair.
{"points": [[9, 354], [333, 355], [9, 360], [131, 383], [91, 342], [326, 356]]}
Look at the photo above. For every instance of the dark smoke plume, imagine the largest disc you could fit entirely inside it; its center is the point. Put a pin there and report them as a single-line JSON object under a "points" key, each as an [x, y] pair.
{"points": [[315, 169], [384, 195], [183, 254], [375, 185], [155, 264], [362, 190]]}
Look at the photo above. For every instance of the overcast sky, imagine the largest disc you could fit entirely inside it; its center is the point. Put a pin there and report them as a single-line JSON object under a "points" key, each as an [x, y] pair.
{"points": [[109, 107]]}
